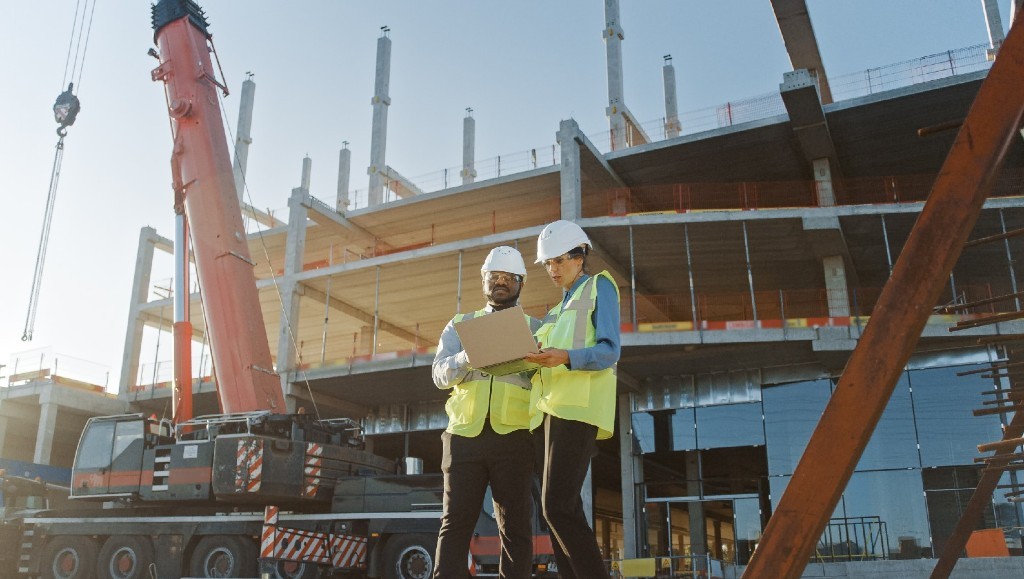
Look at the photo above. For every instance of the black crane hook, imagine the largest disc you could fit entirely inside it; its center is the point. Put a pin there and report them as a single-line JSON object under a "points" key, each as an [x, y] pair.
{"points": [[66, 109]]}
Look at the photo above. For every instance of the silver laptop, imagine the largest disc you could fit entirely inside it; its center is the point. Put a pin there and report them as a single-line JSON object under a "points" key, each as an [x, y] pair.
{"points": [[496, 343]]}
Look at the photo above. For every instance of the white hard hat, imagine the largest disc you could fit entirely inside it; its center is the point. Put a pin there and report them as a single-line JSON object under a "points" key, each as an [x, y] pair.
{"points": [[506, 259], [558, 238]]}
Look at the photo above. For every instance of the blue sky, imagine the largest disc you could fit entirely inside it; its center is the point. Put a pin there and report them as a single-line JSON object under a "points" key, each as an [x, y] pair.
{"points": [[522, 66]]}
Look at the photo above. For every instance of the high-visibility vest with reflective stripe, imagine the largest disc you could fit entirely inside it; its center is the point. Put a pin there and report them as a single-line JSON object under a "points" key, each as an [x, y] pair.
{"points": [[507, 398], [583, 395]]}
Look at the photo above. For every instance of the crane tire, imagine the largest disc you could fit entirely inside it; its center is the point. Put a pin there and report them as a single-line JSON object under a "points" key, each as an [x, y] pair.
{"points": [[69, 557], [409, 557], [224, 556], [294, 570], [125, 557]]}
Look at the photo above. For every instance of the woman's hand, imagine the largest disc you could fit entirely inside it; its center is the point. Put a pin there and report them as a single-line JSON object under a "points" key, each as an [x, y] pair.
{"points": [[549, 357]]}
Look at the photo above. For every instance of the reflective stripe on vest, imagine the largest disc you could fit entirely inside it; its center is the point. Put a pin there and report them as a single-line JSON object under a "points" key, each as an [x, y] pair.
{"points": [[583, 395], [507, 398]]}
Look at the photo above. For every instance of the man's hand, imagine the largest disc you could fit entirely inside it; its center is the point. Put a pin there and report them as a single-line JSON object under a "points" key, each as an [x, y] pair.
{"points": [[549, 357]]}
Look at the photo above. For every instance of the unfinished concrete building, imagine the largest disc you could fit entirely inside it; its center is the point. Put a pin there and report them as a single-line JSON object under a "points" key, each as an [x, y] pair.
{"points": [[749, 256]]}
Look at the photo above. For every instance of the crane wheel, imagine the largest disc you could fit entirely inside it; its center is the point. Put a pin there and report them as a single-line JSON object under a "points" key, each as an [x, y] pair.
{"points": [[294, 570], [224, 556], [125, 557], [69, 557], [409, 557]]}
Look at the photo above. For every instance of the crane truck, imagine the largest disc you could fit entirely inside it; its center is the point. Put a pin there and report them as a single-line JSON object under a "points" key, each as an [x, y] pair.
{"points": [[253, 490]]}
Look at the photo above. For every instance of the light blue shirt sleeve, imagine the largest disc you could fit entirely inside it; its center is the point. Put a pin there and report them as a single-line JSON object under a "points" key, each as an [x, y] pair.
{"points": [[450, 366], [605, 353]]}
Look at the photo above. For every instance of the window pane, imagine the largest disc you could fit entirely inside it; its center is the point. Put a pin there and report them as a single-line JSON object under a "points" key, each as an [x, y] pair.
{"points": [[893, 444], [790, 414], [948, 431], [747, 523], [730, 425], [643, 431], [684, 432], [127, 433], [896, 498], [95, 447]]}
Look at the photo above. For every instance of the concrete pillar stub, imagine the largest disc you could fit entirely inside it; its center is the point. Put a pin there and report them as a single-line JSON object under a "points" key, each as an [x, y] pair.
{"points": [[344, 172], [995, 26], [243, 135], [468, 149], [139, 295], [826, 196], [307, 171], [570, 170], [672, 126], [295, 250], [378, 138], [835, 286], [44, 433], [613, 37]]}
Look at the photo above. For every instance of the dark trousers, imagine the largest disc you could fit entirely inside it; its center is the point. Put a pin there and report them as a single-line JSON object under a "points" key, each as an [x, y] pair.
{"points": [[469, 464], [568, 447]]}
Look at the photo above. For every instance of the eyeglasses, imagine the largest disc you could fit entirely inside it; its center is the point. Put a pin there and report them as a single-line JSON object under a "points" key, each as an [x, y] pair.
{"points": [[496, 276], [558, 260]]}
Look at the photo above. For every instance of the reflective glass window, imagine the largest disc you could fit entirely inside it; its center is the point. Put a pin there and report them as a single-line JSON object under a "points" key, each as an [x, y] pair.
{"points": [[684, 430], [730, 425], [887, 506], [643, 431], [948, 431], [791, 412], [893, 443], [747, 525]]}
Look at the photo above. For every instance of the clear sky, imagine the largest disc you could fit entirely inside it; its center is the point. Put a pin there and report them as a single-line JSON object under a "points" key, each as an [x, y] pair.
{"points": [[522, 66]]}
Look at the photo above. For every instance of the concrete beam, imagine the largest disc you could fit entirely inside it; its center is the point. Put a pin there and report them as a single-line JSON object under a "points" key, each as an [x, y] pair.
{"points": [[398, 184], [801, 43], [807, 117], [323, 215]]}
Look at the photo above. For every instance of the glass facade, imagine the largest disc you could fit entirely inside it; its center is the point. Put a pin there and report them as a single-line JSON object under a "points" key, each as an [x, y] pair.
{"points": [[906, 494]]}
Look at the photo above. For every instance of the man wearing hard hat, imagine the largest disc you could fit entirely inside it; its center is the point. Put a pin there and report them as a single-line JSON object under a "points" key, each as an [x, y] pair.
{"points": [[573, 393], [488, 439]]}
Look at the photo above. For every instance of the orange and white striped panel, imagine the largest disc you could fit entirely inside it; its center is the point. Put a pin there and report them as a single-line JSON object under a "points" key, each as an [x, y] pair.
{"points": [[348, 551], [299, 545], [269, 537], [249, 465], [314, 463]]}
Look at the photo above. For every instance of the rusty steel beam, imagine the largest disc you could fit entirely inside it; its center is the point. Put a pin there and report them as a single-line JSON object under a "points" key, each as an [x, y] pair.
{"points": [[981, 498], [896, 324]]}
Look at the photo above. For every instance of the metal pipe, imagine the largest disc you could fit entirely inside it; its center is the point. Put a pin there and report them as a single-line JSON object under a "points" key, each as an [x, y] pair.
{"points": [[689, 272], [376, 313], [1009, 259], [632, 275], [750, 272], [888, 251]]}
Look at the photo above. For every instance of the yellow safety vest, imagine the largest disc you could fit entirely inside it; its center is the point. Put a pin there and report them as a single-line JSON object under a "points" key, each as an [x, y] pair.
{"points": [[583, 395], [507, 398]]}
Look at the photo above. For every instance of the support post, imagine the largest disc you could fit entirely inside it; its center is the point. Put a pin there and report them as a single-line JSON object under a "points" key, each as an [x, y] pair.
{"points": [[570, 170], [379, 137], [838, 296], [295, 250], [243, 135], [140, 292], [613, 37], [994, 24], [44, 433], [631, 471], [672, 125], [824, 192], [342, 201], [468, 148], [899, 317]]}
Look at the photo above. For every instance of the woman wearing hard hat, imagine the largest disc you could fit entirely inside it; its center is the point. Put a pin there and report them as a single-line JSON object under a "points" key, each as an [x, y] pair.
{"points": [[573, 392]]}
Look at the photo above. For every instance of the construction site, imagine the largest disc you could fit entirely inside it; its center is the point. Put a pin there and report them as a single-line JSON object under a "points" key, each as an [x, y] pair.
{"points": [[821, 321]]}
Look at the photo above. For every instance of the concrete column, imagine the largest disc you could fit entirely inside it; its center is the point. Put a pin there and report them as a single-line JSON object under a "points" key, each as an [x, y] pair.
{"points": [[672, 126], [468, 148], [295, 250], [613, 37], [44, 433], [826, 196], [4, 421], [243, 135], [344, 170], [378, 138], [307, 171], [835, 285], [995, 26], [631, 472], [698, 532], [140, 293], [571, 171]]}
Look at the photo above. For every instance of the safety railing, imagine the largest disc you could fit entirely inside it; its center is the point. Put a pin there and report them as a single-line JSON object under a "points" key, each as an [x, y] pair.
{"points": [[853, 539], [45, 364], [910, 72], [757, 195], [160, 373]]}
